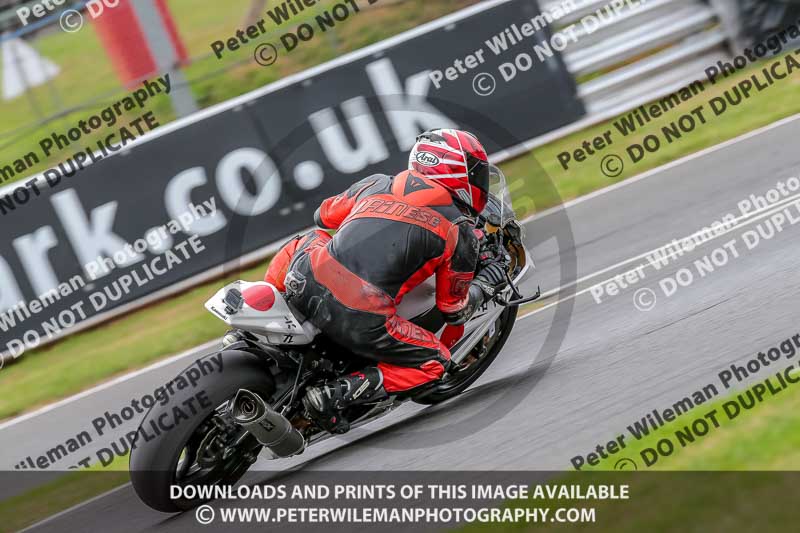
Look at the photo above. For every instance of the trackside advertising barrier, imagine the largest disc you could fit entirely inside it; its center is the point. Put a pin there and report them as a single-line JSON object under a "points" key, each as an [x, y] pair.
{"points": [[238, 177]]}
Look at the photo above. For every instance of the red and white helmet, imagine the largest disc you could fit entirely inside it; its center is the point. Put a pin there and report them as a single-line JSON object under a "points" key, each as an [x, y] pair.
{"points": [[458, 161]]}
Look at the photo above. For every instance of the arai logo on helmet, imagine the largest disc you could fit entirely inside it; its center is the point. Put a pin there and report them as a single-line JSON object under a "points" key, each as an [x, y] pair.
{"points": [[427, 159]]}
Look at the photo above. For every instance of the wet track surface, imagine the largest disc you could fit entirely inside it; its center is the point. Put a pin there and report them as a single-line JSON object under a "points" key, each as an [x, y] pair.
{"points": [[616, 363]]}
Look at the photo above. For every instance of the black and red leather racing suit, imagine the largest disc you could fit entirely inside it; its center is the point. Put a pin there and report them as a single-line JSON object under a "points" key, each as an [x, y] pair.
{"points": [[393, 234]]}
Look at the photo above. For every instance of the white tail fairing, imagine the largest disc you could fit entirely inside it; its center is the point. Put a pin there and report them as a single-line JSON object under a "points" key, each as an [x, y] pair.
{"points": [[263, 311]]}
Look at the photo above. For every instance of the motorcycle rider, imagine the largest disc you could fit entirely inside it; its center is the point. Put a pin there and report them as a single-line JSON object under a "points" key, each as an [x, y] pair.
{"points": [[393, 234]]}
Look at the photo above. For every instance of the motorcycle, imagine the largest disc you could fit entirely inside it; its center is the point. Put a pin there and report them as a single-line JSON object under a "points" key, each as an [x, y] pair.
{"points": [[271, 355]]}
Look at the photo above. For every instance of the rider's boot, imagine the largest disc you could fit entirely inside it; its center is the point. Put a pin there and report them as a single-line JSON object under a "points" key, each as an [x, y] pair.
{"points": [[326, 402]]}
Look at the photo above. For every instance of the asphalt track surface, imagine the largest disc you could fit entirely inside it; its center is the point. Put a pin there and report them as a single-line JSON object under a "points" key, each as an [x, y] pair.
{"points": [[615, 364]]}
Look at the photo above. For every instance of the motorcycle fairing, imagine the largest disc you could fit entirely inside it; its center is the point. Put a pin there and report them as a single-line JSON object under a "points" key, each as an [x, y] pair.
{"points": [[272, 319]]}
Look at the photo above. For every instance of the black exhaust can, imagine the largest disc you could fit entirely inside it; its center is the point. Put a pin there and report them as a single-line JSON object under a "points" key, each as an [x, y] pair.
{"points": [[269, 427]]}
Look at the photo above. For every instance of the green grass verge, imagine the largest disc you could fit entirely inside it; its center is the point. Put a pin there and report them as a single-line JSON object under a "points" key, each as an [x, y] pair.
{"points": [[764, 437]]}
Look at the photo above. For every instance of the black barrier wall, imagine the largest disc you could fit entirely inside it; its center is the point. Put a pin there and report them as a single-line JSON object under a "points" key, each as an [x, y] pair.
{"points": [[261, 165]]}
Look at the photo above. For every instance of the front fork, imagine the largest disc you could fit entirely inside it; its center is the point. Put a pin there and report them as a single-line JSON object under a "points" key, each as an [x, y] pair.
{"points": [[495, 307]]}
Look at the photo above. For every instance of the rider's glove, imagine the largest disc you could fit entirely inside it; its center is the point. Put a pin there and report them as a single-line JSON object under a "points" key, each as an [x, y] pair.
{"points": [[491, 278]]}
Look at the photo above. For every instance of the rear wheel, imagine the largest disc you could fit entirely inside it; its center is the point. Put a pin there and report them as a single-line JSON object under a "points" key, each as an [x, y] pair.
{"points": [[204, 448], [475, 364]]}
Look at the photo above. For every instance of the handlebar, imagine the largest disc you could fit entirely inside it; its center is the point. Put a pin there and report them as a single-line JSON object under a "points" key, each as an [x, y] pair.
{"points": [[519, 301]]}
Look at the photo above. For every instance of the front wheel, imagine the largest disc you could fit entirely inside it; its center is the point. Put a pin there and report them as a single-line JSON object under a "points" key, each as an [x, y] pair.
{"points": [[475, 365], [190, 439]]}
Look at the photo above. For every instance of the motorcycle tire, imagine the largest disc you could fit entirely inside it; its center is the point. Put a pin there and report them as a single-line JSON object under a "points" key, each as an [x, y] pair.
{"points": [[450, 388], [153, 463]]}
